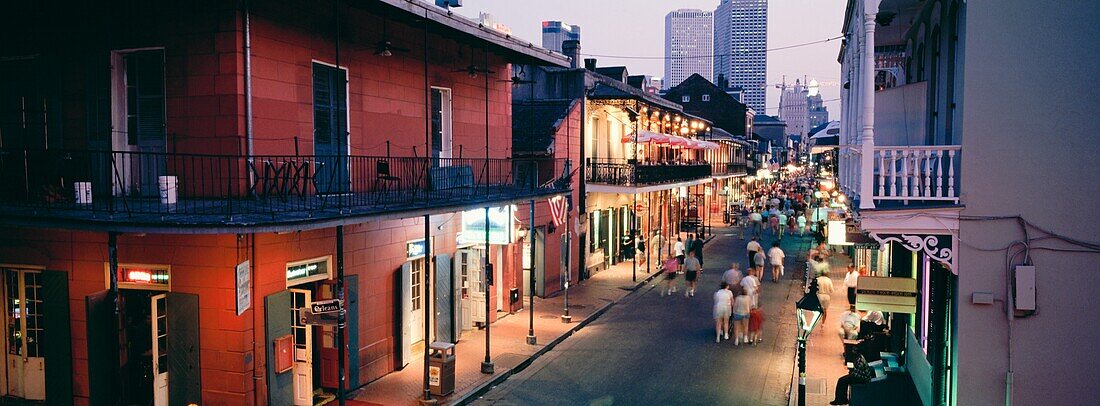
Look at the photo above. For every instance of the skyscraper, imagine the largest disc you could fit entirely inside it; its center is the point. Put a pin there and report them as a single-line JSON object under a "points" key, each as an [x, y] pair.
{"points": [[688, 45], [793, 109], [740, 44], [556, 32]]}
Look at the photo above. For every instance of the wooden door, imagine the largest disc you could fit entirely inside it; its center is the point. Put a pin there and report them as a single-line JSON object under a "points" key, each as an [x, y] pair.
{"points": [[26, 364], [303, 348]]}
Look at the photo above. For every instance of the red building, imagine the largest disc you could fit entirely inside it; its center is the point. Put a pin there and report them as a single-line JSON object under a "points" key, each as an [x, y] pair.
{"points": [[179, 181]]}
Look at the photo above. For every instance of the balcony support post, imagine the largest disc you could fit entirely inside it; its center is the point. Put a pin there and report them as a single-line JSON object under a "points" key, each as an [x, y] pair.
{"points": [[867, 90]]}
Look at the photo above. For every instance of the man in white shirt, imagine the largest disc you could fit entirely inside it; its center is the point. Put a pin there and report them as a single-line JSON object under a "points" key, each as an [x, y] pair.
{"points": [[851, 280], [657, 246], [775, 258], [757, 222], [824, 294], [760, 258]]}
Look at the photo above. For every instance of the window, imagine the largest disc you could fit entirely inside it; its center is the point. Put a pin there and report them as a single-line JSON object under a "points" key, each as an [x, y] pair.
{"points": [[685, 98], [705, 97], [416, 277], [441, 125]]}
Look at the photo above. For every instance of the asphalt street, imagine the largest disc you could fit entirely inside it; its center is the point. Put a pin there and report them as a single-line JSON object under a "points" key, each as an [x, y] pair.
{"points": [[653, 349]]}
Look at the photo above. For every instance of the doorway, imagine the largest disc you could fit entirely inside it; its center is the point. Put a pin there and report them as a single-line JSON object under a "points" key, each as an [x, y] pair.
{"points": [[472, 295], [158, 324], [26, 376], [138, 134], [330, 128]]}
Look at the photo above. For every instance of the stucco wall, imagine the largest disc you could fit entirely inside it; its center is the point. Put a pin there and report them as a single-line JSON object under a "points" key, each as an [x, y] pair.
{"points": [[1027, 150]]}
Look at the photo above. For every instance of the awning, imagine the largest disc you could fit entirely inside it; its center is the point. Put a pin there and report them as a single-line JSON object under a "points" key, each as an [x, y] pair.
{"points": [[665, 139]]}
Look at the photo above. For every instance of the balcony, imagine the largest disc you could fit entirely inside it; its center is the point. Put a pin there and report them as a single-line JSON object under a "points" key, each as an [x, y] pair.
{"points": [[725, 170], [618, 172], [129, 191], [927, 175]]}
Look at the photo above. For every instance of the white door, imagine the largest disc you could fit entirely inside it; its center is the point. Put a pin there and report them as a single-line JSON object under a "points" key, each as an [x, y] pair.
{"points": [[26, 366], [475, 271], [160, 345], [303, 349], [416, 306], [465, 261]]}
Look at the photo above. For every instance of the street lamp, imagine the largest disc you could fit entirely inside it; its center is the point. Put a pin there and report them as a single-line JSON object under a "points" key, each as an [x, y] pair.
{"points": [[809, 313]]}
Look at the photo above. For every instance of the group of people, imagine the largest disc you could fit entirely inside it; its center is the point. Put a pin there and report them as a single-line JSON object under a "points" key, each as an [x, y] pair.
{"points": [[737, 308], [687, 260]]}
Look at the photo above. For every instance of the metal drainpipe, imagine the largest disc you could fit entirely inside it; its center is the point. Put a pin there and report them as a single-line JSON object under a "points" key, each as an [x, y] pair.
{"points": [[248, 90], [427, 399]]}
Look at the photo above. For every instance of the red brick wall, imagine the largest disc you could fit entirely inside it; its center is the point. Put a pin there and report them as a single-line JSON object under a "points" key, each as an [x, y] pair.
{"points": [[386, 94], [204, 265]]}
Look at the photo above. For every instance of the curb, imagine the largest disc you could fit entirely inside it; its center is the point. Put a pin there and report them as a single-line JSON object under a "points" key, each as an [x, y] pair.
{"points": [[478, 391]]}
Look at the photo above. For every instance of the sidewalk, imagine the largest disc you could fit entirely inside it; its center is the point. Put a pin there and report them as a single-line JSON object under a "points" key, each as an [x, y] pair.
{"points": [[509, 349], [824, 350]]}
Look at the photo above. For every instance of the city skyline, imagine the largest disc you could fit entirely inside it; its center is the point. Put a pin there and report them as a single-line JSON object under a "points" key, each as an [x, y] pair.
{"points": [[790, 22], [689, 39]]}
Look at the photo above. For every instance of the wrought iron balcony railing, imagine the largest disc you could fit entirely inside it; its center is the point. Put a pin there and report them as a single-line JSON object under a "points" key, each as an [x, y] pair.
{"points": [[207, 190], [620, 172]]}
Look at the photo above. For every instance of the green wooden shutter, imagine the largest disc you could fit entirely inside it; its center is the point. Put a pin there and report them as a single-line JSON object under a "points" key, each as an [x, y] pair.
{"points": [[444, 302], [57, 338], [277, 322], [184, 372], [102, 330], [351, 300], [404, 307]]}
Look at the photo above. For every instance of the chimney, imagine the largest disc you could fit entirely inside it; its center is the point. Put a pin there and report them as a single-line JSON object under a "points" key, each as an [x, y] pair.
{"points": [[572, 49], [590, 63]]}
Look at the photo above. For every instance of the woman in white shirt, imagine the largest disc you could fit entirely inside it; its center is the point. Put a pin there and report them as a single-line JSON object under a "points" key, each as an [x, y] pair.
{"points": [[742, 305], [723, 307]]}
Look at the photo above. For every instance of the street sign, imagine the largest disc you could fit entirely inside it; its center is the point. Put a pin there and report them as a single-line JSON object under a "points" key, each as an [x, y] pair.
{"points": [[326, 306], [307, 317], [244, 287]]}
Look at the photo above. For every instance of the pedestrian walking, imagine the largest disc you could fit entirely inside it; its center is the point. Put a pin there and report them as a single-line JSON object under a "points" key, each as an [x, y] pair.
{"points": [[657, 246], [756, 325], [757, 222], [824, 294], [773, 222], [775, 257], [697, 247], [750, 285], [752, 247], [690, 243], [678, 250], [760, 258], [672, 268], [723, 309], [801, 224], [851, 280], [742, 306], [692, 268], [781, 224], [745, 220]]}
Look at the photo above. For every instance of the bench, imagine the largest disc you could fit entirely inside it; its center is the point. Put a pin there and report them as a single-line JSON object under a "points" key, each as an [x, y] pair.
{"points": [[451, 177]]}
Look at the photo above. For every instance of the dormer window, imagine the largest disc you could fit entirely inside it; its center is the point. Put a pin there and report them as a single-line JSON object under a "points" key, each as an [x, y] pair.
{"points": [[705, 97], [685, 98]]}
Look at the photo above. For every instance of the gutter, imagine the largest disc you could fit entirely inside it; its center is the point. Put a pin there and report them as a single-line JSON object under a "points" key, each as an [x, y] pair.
{"points": [[249, 152]]}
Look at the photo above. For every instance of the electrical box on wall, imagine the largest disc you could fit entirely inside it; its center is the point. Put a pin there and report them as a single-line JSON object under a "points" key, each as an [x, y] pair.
{"points": [[1025, 288]]}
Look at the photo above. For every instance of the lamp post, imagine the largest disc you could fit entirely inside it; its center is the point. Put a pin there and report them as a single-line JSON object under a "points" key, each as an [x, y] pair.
{"points": [[808, 310], [531, 339]]}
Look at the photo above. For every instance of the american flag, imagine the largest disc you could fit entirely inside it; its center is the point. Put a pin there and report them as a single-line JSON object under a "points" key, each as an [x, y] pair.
{"points": [[558, 209]]}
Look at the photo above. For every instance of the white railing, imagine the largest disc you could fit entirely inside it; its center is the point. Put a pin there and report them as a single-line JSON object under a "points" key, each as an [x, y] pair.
{"points": [[914, 174]]}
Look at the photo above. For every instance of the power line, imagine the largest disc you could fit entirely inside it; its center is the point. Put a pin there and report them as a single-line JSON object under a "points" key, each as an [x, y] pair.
{"points": [[822, 41]]}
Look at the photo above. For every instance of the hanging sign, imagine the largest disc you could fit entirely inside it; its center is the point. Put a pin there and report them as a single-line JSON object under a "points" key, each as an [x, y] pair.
{"points": [[244, 287], [147, 277], [415, 249], [501, 224], [887, 294]]}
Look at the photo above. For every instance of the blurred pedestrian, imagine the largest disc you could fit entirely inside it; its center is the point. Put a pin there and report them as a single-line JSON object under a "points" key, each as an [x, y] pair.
{"points": [[750, 285], [723, 309], [760, 258], [756, 324], [824, 294], [678, 250], [672, 268], [742, 306], [691, 273], [775, 257], [752, 247]]}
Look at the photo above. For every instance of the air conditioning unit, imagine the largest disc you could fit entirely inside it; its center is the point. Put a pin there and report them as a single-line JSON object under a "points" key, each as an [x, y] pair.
{"points": [[448, 3]]}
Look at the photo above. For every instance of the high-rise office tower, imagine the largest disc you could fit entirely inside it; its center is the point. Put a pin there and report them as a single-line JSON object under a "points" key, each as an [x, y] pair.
{"points": [[556, 32], [740, 44], [689, 36]]}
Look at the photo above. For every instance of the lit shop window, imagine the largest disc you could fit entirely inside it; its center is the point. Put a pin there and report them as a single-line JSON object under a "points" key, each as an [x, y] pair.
{"points": [[142, 276]]}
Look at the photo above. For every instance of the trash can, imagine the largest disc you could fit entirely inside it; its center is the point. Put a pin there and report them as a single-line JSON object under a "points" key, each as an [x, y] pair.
{"points": [[441, 368]]}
